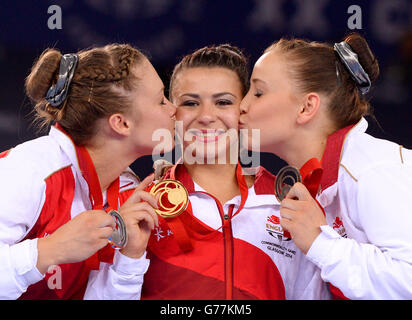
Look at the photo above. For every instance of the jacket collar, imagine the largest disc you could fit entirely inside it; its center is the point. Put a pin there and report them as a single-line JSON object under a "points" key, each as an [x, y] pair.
{"points": [[335, 147], [333, 152], [261, 193], [66, 144]]}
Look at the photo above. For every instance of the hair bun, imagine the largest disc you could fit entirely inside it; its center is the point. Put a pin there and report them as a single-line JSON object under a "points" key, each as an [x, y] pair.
{"points": [[42, 74], [366, 58]]}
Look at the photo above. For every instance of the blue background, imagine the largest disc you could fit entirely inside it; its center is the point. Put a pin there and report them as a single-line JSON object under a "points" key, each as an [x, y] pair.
{"points": [[168, 29]]}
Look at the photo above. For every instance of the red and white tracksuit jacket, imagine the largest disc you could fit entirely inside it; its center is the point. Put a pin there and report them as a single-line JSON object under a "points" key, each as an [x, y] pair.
{"points": [[234, 250], [366, 248], [365, 251], [42, 187]]}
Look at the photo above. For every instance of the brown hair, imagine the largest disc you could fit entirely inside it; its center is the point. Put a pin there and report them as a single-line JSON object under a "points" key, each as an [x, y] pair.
{"points": [[316, 68], [224, 55], [97, 90]]}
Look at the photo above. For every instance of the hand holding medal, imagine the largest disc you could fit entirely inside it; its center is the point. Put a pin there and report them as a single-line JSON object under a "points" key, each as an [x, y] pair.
{"points": [[139, 219], [118, 239], [167, 198], [173, 200], [285, 179], [301, 214]]}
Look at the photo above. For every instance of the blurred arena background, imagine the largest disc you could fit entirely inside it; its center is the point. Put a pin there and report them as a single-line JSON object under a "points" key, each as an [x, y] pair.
{"points": [[168, 29]]}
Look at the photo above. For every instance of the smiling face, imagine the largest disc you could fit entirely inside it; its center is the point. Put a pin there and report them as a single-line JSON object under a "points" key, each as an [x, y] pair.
{"points": [[207, 100], [270, 105]]}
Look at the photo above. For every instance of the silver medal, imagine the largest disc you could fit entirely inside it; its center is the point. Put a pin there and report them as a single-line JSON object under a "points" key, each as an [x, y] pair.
{"points": [[118, 239], [285, 179]]}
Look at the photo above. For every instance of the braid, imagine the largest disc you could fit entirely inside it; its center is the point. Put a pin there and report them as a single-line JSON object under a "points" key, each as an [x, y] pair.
{"points": [[117, 71], [96, 74], [92, 94], [125, 60], [105, 74]]}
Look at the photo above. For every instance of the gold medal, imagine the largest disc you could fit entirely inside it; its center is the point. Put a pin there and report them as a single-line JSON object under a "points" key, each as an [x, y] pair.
{"points": [[173, 198], [285, 179]]}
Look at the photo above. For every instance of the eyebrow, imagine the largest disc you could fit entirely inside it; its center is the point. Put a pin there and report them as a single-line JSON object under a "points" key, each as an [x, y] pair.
{"points": [[258, 80], [216, 95]]}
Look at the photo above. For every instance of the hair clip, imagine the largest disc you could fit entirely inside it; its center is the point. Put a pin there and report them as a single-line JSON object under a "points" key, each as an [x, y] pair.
{"points": [[57, 93], [350, 60]]}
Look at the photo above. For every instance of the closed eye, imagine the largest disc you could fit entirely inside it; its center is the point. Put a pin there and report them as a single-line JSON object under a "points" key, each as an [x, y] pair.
{"points": [[224, 102]]}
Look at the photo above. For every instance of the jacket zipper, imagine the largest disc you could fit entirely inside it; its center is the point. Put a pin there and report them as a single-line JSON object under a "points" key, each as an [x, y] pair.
{"points": [[228, 247]]}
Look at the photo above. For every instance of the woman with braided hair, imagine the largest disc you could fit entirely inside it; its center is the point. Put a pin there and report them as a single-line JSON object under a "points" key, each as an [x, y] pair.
{"points": [[64, 194], [354, 222], [226, 244]]}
